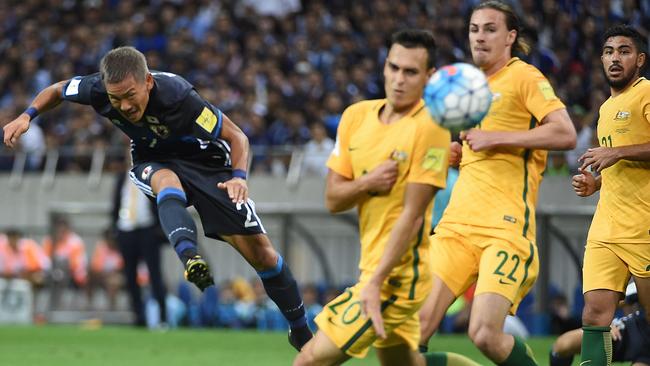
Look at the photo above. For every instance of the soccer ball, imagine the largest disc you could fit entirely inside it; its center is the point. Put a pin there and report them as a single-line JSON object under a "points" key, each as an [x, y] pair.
{"points": [[458, 96]]}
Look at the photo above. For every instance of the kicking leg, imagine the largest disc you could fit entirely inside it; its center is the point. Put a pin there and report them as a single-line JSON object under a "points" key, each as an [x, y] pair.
{"points": [[178, 225], [278, 282]]}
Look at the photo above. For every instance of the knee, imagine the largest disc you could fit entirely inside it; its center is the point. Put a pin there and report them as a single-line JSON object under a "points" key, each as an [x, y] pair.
{"points": [[484, 337], [264, 258], [596, 315]]}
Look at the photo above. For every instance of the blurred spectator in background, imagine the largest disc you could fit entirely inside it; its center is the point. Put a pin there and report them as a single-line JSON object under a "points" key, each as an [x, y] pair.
{"points": [[561, 318], [317, 150], [22, 257], [275, 58], [139, 237], [67, 251], [106, 266]]}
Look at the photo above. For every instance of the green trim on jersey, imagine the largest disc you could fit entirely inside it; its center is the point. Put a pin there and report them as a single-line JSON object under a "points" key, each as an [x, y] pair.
{"points": [[529, 261], [367, 324], [416, 261], [525, 193]]}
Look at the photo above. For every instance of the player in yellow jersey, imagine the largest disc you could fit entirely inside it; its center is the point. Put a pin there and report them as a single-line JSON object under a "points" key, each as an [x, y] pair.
{"points": [[388, 161], [618, 244], [487, 233]]}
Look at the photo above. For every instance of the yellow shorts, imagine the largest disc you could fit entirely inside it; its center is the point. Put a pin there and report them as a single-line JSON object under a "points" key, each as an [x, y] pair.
{"points": [[609, 266], [505, 267], [343, 323]]}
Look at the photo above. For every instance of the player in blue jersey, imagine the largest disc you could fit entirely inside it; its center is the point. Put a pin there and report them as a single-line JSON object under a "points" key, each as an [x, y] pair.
{"points": [[185, 152]]}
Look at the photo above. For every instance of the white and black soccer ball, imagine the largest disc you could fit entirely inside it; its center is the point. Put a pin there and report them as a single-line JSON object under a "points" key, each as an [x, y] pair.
{"points": [[458, 96]]}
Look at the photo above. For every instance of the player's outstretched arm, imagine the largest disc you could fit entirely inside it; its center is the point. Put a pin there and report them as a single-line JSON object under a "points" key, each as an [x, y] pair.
{"points": [[47, 99], [343, 193], [236, 187], [556, 132]]}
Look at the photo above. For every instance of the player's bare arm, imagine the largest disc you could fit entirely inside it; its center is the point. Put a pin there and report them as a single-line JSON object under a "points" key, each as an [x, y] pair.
{"points": [[455, 153], [585, 184], [342, 193], [416, 200], [47, 99], [555, 132], [236, 187], [603, 157]]}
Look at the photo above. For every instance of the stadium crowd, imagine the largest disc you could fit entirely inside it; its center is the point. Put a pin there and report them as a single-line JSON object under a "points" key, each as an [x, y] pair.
{"points": [[277, 67]]}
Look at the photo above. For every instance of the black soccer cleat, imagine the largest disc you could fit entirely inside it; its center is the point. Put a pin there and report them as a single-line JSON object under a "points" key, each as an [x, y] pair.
{"points": [[298, 337], [198, 272]]}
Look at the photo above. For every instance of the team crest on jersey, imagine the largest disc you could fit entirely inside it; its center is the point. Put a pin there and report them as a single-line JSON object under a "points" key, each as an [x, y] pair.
{"points": [[399, 156], [146, 171], [434, 159], [622, 116], [160, 130]]}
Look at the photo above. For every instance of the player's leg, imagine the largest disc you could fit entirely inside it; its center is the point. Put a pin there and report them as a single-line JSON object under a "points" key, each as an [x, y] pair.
{"points": [[157, 180], [508, 269], [565, 347], [400, 354], [151, 255], [433, 311], [278, 281], [449, 251], [605, 276], [320, 351], [130, 253]]}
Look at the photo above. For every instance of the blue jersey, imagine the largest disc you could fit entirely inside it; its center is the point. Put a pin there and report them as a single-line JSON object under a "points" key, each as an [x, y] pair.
{"points": [[177, 122], [634, 344]]}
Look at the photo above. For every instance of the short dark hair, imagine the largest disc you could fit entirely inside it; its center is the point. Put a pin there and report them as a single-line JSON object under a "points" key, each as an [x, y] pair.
{"points": [[625, 30], [414, 38], [512, 22], [121, 62]]}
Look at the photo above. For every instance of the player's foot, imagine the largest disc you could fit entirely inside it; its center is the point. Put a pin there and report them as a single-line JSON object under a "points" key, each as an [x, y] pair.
{"points": [[298, 337], [198, 272]]}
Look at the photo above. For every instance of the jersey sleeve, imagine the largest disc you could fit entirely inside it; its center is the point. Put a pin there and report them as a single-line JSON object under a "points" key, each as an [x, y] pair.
{"points": [[79, 89], [339, 159], [430, 156], [538, 94], [202, 119]]}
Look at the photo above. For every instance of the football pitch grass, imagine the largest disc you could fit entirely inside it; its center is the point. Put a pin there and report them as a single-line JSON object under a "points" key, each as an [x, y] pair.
{"points": [[124, 346]]}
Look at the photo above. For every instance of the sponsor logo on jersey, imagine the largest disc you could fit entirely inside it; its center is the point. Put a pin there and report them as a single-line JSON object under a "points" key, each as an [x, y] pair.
{"points": [[434, 159], [509, 219], [73, 87], [547, 90], [622, 116], [207, 120]]}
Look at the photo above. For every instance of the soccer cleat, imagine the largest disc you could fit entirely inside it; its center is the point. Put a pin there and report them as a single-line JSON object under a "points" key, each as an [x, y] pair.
{"points": [[198, 272], [299, 337]]}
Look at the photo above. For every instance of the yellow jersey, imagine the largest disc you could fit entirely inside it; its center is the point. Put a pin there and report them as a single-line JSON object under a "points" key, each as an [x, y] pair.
{"points": [[421, 148], [623, 212], [497, 188]]}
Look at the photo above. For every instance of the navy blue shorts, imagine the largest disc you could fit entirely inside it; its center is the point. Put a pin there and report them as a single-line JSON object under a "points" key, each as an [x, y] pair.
{"points": [[219, 215]]}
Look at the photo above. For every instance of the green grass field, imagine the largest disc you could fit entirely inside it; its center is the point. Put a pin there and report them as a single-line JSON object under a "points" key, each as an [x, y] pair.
{"points": [[74, 345]]}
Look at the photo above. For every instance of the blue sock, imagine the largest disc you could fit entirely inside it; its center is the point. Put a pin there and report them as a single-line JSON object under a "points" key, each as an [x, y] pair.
{"points": [[283, 290], [177, 223]]}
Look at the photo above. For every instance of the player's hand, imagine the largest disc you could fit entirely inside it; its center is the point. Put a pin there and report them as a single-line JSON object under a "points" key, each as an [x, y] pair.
{"points": [[584, 184], [383, 177], [615, 332], [237, 189], [478, 140], [371, 307], [456, 153], [599, 158], [14, 129]]}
